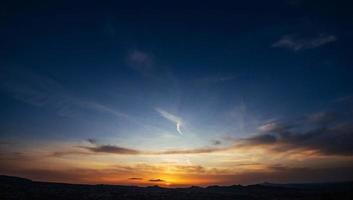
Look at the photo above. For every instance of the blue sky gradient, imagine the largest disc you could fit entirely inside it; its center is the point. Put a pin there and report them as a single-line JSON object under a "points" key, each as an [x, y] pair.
{"points": [[152, 78]]}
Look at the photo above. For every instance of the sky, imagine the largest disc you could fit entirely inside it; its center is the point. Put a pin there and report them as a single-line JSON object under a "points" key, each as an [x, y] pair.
{"points": [[149, 93]]}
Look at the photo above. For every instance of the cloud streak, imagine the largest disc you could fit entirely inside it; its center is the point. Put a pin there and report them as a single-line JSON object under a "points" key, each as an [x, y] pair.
{"points": [[324, 132], [296, 44], [172, 118], [119, 150], [136, 178], [156, 180], [42, 91], [112, 149]]}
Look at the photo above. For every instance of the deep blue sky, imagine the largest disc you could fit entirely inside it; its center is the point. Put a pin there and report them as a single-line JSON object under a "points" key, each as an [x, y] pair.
{"points": [[123, 72], [202, 58]]}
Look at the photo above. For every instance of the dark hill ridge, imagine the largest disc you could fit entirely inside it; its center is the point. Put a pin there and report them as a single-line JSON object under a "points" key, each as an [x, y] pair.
{"points": [[19, 188], [328, 185]]}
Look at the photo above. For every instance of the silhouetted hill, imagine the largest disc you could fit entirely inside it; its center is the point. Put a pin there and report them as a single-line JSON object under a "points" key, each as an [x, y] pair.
{"points": [[328, 185], [22, 189], [14, 180]]}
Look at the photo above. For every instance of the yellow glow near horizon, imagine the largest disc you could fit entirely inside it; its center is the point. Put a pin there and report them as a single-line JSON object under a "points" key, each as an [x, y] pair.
{"points": [[231, 166]]}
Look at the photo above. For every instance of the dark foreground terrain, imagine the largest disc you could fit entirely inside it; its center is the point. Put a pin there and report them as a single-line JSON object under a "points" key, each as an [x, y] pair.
{"points": [[19, 188]]}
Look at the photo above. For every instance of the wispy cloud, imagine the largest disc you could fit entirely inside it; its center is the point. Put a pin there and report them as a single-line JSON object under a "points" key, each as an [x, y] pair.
{"points": [[172, 118], [271, 127], [42, 91], [323, 132], [140, 61], [92, 141], [95, 148], [297, 43], [105, 109]]}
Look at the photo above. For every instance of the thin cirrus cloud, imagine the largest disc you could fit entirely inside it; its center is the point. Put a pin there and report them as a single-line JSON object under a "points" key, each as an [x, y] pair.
{"points": [[42, 91], [324, 132], [297, 43], [172, 118], [326, 141]]}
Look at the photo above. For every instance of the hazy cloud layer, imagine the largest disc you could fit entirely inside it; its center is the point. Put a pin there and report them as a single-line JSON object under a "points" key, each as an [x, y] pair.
{"points": [[326, 133]]}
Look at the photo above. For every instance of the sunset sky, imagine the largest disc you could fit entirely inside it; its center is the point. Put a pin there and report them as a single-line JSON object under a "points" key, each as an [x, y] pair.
{"points": [[177, 95]]}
